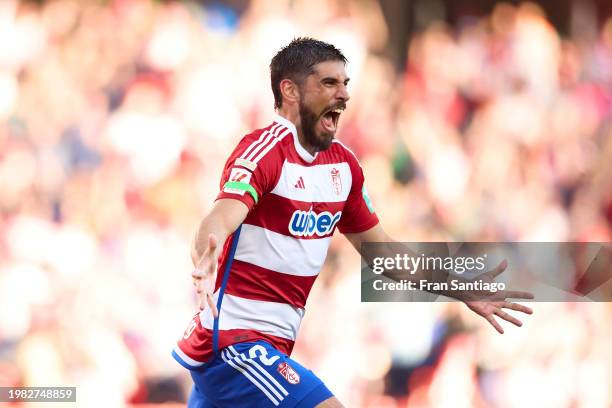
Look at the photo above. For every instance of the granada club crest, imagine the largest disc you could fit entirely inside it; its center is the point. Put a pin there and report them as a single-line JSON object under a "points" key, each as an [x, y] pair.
{"points": [[336, 181], [289, 373]]}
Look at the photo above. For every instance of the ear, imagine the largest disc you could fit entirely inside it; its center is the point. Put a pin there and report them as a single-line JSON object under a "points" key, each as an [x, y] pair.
{"points": [[290, 91]]}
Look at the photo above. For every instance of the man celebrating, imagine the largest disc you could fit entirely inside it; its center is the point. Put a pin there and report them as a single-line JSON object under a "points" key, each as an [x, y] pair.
{"points": [[284, 190]]}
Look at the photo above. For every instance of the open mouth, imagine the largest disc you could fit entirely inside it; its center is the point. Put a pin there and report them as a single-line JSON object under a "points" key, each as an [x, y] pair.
{"points": [[329, 119]]}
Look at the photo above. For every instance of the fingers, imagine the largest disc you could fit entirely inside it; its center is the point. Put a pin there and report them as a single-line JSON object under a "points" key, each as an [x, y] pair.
{"points": [[508, 317], [517, 307], [200, 293], [499, 269], [490, 309], [494, 323], [203, 276], [197, 274], [208, 261], [205, 297], [211, 304], [201, 301], [200, 289], [517, 294]]}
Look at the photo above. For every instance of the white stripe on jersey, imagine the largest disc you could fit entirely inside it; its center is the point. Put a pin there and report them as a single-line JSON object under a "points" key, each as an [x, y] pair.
{"points": [[248, 314], [262, 137], [255, 364], [270, 138], [271, 145], [238, 366], [318, 183], [245, 163], [281, 253]]}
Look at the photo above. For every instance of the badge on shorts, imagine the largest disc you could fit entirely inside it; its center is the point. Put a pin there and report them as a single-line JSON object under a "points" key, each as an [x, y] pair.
{"points": [[289, 373]]}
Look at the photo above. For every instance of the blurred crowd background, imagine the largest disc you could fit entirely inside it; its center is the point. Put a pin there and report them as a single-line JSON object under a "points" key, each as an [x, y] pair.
{"points": [[473, 120]]}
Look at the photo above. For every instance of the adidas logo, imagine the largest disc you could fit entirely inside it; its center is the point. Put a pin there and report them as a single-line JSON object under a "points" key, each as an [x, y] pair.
{"points": [[300, 183]]}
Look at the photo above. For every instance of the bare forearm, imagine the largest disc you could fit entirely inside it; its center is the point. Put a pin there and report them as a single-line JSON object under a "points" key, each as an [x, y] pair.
{"points": [[225, 216], [389, 250], [209, 225], [409, 266], [386, 248]]}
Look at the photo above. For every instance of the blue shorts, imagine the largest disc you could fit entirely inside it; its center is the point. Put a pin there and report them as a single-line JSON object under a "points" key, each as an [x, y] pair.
{"points": [[255, 374]]}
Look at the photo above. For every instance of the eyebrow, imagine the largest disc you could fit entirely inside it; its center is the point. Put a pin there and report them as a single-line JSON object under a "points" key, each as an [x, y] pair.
{"points": [[332, 79]]}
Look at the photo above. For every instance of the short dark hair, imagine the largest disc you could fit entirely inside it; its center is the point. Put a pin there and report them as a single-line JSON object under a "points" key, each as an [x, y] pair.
{"points": [[296, 60]]}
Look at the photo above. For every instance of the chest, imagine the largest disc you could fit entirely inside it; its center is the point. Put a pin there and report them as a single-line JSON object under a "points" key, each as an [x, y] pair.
{"points": [[323, 183]]}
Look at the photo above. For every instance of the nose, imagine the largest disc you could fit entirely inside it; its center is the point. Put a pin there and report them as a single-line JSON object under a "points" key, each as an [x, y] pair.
{"points": [[342, 93]]}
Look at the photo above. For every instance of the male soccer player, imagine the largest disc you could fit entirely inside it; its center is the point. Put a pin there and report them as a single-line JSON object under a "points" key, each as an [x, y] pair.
{"points": [[284, 191]]}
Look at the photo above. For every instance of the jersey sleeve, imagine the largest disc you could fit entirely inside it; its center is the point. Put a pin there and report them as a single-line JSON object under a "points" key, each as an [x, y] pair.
{"points": [[244, 180], [358, 214]]}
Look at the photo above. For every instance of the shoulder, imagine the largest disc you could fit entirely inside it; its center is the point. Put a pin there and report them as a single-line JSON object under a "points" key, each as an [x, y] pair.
{"points": [[262, 146], [343, 152]]}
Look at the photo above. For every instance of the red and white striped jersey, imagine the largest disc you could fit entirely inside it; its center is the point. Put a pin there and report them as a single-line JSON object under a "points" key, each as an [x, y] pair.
{"points": [[296, 201]]}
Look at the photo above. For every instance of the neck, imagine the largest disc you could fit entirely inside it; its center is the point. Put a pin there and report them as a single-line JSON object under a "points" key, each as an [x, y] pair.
{"points": [[293, 116]]}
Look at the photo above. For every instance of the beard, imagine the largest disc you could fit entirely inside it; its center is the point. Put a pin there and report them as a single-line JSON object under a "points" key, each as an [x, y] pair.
{"points": [[309, 120]]}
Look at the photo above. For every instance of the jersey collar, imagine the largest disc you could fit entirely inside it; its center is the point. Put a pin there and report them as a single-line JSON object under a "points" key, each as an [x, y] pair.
{"points": [[304, 154]]}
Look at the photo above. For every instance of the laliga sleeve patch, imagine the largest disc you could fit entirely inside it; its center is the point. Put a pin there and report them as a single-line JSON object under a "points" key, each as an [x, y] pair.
{"points": [[238, 174], [238, 183], [367, 200]]}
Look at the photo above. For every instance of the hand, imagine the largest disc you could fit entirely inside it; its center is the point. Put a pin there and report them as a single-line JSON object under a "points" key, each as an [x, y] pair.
{"points": [[491, 304], [204, 276]]}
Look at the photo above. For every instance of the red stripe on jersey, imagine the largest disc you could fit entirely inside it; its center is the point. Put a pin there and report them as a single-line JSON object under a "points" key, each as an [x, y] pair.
{"points": [[275, 213], [198, 345], [254, 282]]}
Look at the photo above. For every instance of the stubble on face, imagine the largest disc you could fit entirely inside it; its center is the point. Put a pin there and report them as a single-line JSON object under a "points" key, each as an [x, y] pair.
{"points": [[309, 119]]}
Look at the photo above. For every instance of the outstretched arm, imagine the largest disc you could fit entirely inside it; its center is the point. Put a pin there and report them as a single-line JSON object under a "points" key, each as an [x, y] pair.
{"points": [[224, 218], [488, 307]]}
